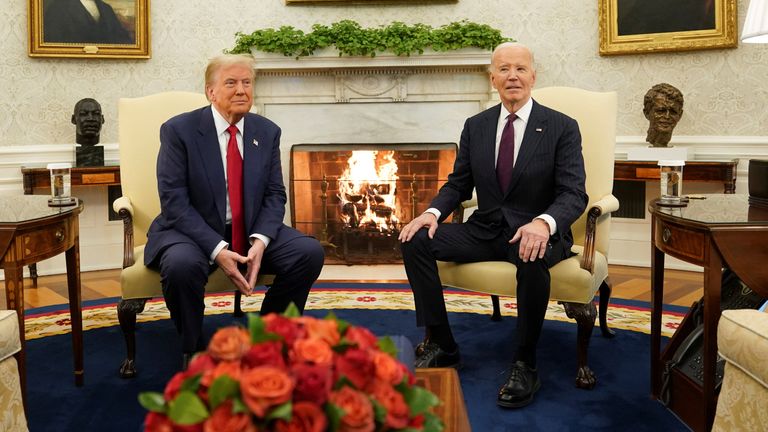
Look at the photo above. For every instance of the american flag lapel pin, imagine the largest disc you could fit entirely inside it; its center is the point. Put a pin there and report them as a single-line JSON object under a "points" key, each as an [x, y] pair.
{"points": [[256, 143], [539, 129]]}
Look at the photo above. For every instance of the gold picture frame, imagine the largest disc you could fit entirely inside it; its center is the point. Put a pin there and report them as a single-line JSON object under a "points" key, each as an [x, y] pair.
{"points": [[646, 26], [65, 28]]}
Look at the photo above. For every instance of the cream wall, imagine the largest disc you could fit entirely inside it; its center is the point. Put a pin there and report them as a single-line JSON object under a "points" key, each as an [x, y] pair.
{"points": [[725, 90]]}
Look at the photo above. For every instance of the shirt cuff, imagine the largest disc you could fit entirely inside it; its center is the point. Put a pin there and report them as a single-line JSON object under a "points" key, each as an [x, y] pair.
{"points": [[261, 237], [434, 211], [222, 244], [550, 221]]}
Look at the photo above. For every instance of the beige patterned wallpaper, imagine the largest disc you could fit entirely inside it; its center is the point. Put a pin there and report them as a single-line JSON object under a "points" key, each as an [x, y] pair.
{"points": [[725, 90]]}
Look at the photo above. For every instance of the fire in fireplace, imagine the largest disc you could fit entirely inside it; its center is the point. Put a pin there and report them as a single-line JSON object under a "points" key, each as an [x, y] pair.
{"points": [[355, 197]]}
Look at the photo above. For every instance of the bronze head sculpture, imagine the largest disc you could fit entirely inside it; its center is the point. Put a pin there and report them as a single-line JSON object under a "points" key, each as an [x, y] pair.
{"points": [[88, 119], [663, 107]]}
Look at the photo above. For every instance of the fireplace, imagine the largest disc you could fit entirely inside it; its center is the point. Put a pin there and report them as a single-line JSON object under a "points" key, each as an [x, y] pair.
{"points": [[355, 198]]}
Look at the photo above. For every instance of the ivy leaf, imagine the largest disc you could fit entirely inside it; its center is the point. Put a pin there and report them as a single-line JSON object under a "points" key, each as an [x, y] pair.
{"points": [[153, 401], [222, 388], [187, 409]]}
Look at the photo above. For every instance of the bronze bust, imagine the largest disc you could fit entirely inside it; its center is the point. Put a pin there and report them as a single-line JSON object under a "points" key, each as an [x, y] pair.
{"points": [[88, 120], [663, 107]]}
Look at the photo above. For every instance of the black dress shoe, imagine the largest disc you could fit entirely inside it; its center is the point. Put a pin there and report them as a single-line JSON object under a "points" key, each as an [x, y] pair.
{"points": [[430, 355], [522, 384]]}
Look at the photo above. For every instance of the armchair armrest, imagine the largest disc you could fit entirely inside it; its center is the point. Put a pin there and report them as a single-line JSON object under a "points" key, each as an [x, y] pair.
{"points": [[122, 206], [603, 207]]}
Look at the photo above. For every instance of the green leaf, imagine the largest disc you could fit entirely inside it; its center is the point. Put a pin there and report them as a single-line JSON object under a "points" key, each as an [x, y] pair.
{"points": [[238, 406], [222, 388], [420, 400], [334, 414], [282, 412], [432, 423], [257, 329], [387, 345], [153, 401], [187, 409], [379, 412], [192, 383], [292, 311]]}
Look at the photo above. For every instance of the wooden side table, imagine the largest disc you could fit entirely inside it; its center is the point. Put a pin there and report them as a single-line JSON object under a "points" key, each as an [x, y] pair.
{"points": [[723, 171], [31, 231], [445, 384]]}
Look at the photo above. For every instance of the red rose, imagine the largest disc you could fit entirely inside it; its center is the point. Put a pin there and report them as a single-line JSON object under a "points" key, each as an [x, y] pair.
{"points": [[264, 387], [200, 363], [313, 383], [222, 419], [356, 365], [361, 336], [306, 417], [358, 410], [393, 401], [156, 422], [265, 354], [174, 385], [287, 328], [229, 343]]}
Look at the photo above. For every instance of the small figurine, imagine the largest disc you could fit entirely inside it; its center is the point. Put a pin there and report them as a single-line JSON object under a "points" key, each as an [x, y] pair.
{"points": [[88, 119], [663, 107]]}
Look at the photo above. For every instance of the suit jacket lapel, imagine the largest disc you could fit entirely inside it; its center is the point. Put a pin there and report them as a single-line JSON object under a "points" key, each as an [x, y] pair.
{"points": [[253, 151], [531, 139], [488, 150], [208, 145]]}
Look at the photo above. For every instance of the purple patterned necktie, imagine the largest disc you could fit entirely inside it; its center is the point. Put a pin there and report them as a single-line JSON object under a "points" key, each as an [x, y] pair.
{"points": [[506, 159]]}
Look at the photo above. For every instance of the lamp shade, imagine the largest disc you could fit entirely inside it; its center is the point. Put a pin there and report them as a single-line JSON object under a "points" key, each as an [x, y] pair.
{"points": [[756, 25]]}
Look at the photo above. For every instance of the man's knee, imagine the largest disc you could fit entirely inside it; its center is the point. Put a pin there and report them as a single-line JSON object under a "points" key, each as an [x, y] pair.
{"points": [[182, 264], [417, 242], [312, 252]]}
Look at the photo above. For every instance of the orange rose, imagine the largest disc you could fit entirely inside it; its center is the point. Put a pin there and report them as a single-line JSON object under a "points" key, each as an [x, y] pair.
{"points": [[358, 410], [387, 368], [264, 387], [230, 368], [306, 417], [222, 419], [229, 343], [393, 401], [361, 336], [325, 329], [312, 350]]}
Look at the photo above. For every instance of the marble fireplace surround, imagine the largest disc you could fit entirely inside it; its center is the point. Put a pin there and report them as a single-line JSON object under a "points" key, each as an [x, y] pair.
{"points": [[327, 99]]}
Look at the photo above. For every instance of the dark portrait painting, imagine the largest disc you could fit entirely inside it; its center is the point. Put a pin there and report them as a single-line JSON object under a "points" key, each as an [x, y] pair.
{"points": [[664, 16], [95, 22]]}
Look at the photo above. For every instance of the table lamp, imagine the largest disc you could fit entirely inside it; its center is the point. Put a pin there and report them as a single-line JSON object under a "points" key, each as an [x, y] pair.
{"points": [[756, 24]]}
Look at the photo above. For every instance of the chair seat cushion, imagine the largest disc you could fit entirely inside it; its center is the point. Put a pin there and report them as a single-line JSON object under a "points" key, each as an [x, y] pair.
{"points": [[9, 334], [570, 283], [138, 281], [742, 339]]}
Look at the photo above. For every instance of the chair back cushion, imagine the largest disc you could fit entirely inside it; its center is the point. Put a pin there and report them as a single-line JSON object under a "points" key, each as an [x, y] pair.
{"points": [[596, 114], [139, 121]]}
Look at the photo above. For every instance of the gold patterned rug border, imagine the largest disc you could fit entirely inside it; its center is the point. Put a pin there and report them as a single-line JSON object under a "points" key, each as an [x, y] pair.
{"points": [[619, 316]]}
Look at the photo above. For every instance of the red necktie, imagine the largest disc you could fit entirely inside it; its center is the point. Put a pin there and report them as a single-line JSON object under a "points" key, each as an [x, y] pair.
{"points": [[235, 189], [506, 159]]}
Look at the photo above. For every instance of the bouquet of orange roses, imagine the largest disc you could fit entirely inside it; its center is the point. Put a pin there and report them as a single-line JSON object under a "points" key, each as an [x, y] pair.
{"points": [[293, 373]]}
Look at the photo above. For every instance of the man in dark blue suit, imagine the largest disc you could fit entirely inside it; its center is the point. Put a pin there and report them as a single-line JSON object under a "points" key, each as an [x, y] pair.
{"points": [[197, 229], [524, 161]]}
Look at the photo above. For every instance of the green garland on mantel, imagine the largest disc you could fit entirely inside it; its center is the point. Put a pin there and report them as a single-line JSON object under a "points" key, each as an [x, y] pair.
{"points": [[350, 39]]}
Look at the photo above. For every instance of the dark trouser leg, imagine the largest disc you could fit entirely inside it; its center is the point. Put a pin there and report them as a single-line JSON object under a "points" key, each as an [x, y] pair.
{"points": [[184, 272], [296, 260], [533, 287]]}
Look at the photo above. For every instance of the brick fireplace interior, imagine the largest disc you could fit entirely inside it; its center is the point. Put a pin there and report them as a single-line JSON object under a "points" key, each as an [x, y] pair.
{"points": [[354, 198]]}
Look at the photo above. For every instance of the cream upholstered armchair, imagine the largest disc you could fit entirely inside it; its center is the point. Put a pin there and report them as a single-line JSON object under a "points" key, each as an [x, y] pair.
{"points": [[576, 280], [139, 136], [742, 340], [12, 418]]}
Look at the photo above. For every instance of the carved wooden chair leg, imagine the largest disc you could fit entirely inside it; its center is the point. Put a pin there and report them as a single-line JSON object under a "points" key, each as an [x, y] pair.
{"points": [[585, 315], [238, 308], [126, 314], [496, 308], [605, 297]]}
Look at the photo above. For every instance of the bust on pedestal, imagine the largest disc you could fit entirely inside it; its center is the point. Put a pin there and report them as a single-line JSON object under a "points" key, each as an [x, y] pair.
{"points": [[663, 107], [88, 119]]}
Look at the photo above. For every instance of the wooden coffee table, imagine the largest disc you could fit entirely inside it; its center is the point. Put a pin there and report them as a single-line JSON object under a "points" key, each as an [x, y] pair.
{"points": [[444, 382]]}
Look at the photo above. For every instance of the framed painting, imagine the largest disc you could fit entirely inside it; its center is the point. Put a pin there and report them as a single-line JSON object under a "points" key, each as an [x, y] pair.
{"points": [[298, 2], [89, 29], [644, 26]]}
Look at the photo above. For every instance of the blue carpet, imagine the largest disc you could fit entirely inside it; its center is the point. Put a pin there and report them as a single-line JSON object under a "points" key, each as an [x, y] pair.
{"points": [[619, 402]]}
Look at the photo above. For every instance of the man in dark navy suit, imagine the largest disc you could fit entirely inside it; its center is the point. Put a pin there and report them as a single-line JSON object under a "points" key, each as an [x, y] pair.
{"points": [[203, 209], [524, 161]]}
